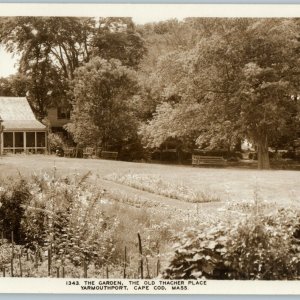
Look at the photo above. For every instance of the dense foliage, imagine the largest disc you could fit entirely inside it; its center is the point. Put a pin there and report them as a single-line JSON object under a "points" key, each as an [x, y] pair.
{"points": [[201, 82], [102, 107], [261, 246], [82, 225], [235, 84], [59, 214], [82, 228], [52, 48], [12, 208]]}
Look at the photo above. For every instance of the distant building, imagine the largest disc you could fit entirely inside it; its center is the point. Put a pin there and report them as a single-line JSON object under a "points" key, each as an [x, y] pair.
{"points": [[20, 131], [58, 117]]}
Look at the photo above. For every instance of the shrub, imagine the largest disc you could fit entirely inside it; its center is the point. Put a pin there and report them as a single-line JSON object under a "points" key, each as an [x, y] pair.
{"points": [[289, 155], [55, 141], [132, 152], [14, 195], [254, 155], [60, 214], [78, 223], [257, 247], [64, 214]]}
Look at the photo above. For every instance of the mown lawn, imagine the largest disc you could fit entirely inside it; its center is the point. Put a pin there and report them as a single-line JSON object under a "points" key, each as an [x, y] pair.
{"points": [[279, 186]]}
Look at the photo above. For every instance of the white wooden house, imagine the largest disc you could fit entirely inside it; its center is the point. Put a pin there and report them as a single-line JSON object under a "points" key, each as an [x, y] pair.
{"points": [[58, 117], [20, 131]]}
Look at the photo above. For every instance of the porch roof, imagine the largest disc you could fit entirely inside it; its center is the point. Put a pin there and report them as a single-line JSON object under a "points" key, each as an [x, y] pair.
{"points": [[23, 125], [17, 114]]}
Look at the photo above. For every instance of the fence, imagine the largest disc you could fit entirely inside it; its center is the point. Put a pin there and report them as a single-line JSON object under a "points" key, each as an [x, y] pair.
{"points": [[15, 268]]}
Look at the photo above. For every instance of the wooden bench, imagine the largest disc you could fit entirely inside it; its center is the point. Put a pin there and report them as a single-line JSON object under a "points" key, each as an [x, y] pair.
{"points": [[109, 155], [88, 152], [198, 160], [69, 152]]}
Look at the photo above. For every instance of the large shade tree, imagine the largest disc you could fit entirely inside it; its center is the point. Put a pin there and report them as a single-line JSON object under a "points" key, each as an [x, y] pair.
{"points": [[13, 85], [52, 48], [118, 38], [240, 80], [102, 107]]}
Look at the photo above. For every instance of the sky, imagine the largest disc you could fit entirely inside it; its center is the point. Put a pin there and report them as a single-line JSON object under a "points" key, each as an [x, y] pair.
{"points": [[7, 63]]}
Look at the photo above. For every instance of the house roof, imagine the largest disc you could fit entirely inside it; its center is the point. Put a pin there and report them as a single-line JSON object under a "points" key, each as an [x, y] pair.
{"points": [[17, 114]]}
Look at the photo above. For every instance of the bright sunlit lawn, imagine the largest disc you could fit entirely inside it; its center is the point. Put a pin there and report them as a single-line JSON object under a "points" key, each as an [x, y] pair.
{"points": [[279, 186]]}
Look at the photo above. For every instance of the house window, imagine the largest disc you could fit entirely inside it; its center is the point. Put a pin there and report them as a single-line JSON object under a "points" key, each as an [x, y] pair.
{"points": [[30, 139], [40, 138], [8, 140], [19, 140], [63, 113]]}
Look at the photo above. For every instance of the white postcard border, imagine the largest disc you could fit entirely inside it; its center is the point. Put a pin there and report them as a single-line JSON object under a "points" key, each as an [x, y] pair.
{"points": [[143, 12], [212, 287]]}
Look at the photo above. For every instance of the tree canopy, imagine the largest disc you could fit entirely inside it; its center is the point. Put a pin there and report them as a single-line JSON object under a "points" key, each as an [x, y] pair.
{"points": [[102, 114], [52, 48], [235, 84], [210, 82]]}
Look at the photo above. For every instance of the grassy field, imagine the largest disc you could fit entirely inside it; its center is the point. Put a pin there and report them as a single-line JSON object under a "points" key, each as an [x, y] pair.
{"points": [[234, 184], [160, 202]]}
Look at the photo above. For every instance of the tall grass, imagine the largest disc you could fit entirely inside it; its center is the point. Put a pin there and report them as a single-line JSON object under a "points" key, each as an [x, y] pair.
{"points": [[157, 185], [84, 229]]}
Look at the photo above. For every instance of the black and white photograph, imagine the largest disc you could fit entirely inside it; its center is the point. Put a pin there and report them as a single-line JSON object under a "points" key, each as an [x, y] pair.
{"points": [[153, 148]]}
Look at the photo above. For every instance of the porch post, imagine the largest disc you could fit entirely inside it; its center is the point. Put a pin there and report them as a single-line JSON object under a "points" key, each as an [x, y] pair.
{"points": [[14, 143], [1, 142], [24, 141], [1, 137], [35, 143], [46, 142]]}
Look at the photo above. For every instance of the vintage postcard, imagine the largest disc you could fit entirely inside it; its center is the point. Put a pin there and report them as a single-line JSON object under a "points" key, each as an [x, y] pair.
{"points": [[149, 149]]}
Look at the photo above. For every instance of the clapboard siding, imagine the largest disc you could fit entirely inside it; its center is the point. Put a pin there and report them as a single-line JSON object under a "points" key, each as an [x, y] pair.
{"points": [[52, 117]]}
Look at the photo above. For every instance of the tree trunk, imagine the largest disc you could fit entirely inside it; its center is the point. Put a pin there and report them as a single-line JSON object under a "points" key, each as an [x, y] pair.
{"points": [[179, 155], [263, 154]]}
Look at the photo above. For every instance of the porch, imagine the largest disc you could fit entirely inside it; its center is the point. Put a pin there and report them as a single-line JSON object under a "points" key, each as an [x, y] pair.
{"points": [[23, 142]]}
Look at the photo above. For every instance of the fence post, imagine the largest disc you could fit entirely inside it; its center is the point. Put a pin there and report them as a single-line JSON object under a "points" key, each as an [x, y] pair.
{"points": [[36, 259], [12, 267], [20, 261], [141, 256], [84, 268], [3, 271], [157, 267], [49, 260], [12, 255], [147, 265], [41, 255], [12, 243], [125, 262], [107, 272], [158, 264]]}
